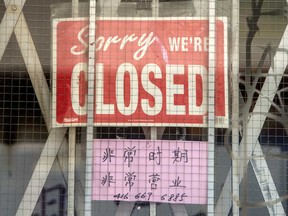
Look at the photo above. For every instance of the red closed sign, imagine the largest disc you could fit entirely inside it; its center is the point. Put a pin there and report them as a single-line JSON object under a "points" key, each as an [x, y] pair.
{"points": [[149, 72]]}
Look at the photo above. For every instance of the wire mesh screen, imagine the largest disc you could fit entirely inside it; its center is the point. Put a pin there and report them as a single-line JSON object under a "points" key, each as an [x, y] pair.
{"points": [[263, 77], [134, 107]]}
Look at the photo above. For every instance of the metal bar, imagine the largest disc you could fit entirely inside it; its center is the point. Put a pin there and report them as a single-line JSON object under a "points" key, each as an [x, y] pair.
{"points": [[90, 108], [224, 202], [179, 210], [41, 89], [153, 136], [153, 130], [155, 8], [42, 92], [211, 100], [40, 86], [256, 122], [265, 179], [41, 172], [34, 67], [29, 54], [9, 21], [79, 199], [146, 131], [71, 171], [124, 208], [235, 102], [37, 77], [72, 145], [75, 8]]}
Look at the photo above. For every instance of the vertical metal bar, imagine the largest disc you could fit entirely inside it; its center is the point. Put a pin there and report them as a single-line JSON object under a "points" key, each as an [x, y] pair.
{"points": [[153, 135], [72, 147], [155, 8], [235, 102], [90, 108], [153, 130], [71, 170], [211, 100], [75, 8]]}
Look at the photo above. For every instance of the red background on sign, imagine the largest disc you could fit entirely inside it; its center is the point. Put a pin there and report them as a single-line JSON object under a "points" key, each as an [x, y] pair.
{"points": [[158, 53]]}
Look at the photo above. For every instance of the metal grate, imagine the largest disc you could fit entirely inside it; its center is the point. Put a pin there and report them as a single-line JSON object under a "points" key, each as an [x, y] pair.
{"points": [[49, 168]]}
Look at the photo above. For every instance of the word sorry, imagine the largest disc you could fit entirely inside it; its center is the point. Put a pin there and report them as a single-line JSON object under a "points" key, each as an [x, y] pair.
{"points": [[102, 43]]}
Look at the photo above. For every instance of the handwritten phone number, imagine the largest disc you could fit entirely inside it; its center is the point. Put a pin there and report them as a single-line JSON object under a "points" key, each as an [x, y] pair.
{"points": [[146, 196]]}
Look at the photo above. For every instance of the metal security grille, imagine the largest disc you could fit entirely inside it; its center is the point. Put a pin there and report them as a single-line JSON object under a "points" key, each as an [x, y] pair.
{"points": [[262, 60], [63, 115]]}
